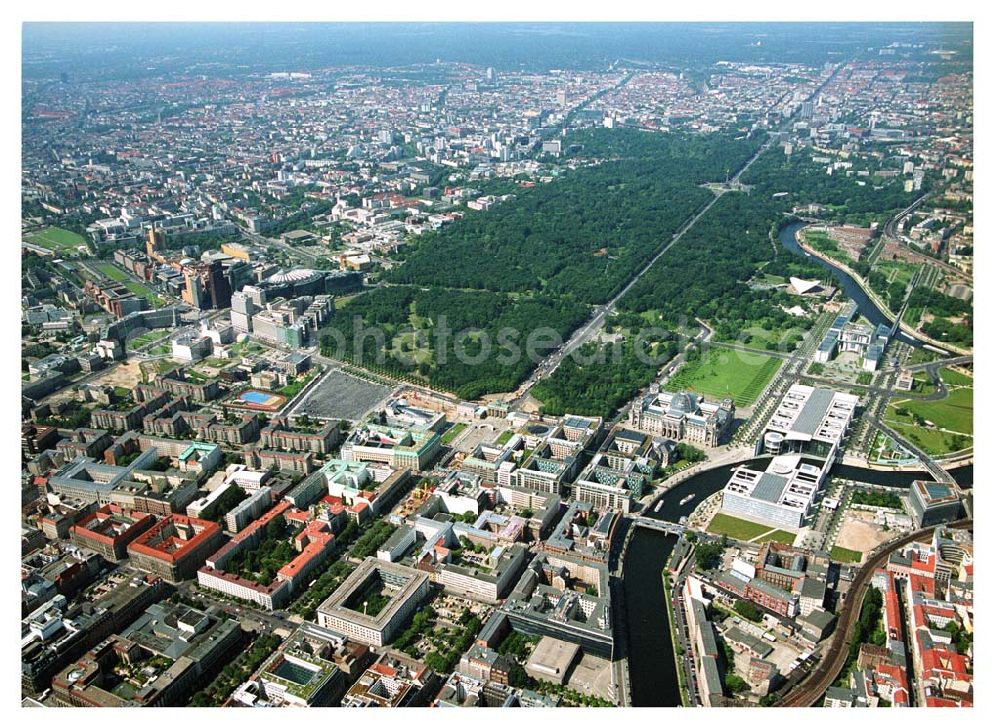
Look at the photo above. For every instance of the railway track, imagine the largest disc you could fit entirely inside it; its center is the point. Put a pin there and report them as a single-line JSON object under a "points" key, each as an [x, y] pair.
{"points": [[812, 689]]}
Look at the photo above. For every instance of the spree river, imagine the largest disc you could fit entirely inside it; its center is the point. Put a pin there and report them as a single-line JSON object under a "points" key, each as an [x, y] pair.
{"points": [[849, 286], [652, 672]]}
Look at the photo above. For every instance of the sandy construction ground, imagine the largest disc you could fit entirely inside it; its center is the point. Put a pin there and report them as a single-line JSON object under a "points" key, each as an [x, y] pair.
{"points": [[860, 535], [125, 374]]}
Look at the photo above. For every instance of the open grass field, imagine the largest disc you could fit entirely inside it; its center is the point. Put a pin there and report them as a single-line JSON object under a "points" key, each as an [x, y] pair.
{"points": [[941, 426], [778, 535], [955, 378], [454, 432], [726, 525], [55, 238], [839, 553], [922, 384], [118, 276], [822, 242], [725, 373], [897, 270], [141, 291], [148, 338], [111, 271], [756, 336], [938, 427], [953, 413], [933, 442]]}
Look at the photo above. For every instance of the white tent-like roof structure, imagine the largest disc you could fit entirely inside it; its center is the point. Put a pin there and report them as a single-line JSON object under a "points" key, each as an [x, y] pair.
{"points": [[802, 286]]}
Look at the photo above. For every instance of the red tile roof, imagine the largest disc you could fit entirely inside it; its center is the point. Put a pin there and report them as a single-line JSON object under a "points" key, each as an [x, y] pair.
{"points": [[171, 548]]}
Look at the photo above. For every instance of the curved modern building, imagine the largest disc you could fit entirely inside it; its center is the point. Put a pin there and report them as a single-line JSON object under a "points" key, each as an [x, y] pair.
{"points": [[772, 443], [297, 282]]}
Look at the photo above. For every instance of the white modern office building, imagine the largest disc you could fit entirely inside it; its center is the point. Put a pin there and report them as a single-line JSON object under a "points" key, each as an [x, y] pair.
{"points": [[810, 420], [781, 496]]}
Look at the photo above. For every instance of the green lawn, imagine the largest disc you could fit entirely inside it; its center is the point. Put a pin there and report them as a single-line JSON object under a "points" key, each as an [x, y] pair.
{"points": [[292, 389], [922, 384], [897, 270], [782, 339], [148, 338], [55, 238], [956, 378], [454, 432], [954, 412], [726, 525], [839, 553], [141, 291], [933, 442], [725, 373], [820, 241], [785, 537], [111, 271], [885, 449], [949, 421], [245, 347]]}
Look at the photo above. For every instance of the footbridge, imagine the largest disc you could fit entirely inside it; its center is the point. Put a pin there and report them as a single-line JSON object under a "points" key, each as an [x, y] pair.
{"points": [[665, 527]]}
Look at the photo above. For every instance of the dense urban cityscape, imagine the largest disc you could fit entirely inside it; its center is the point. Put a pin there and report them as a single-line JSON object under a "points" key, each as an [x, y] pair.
{"points": [[497, 366]]}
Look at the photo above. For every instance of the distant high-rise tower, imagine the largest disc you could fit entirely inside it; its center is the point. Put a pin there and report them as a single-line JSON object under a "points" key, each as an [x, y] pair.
{"points": [[155, 240], [244, 306], [491, 74], [206, 286]]}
